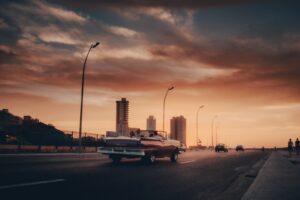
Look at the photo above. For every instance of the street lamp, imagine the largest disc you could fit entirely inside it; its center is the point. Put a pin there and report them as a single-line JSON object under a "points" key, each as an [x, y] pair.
{"points": [[217, 129], [169, 89], [212, 130], [82, 90], [202, 106]]}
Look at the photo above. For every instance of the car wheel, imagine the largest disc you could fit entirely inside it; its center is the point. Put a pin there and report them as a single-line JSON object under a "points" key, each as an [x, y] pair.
{"points": [[116, 159], [174, 157], [149, 159]]}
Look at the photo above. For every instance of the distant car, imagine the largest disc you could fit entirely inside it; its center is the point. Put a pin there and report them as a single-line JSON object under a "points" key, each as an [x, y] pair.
{"points": [[239, 148], [221, 147]]}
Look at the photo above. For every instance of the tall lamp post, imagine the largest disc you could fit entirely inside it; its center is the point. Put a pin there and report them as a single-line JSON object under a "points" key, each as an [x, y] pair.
{"points": [[164, 105], [212, 130], [82, 90], [217, 129], [197, 139]]}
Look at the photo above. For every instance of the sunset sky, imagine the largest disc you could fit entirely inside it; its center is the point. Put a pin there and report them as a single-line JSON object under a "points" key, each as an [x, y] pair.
{"points": [[241, 59]]}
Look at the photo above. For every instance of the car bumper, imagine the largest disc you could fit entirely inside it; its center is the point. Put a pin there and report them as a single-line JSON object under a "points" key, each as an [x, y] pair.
{"points": [[121, 151]]}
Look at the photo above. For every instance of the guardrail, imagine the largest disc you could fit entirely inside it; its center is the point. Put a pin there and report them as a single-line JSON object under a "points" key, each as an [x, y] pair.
{"points": [[14, 148], [67, 142]]}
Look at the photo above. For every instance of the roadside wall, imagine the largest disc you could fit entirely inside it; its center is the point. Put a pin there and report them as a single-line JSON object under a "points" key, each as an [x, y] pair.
{"points": [[10, 148]]}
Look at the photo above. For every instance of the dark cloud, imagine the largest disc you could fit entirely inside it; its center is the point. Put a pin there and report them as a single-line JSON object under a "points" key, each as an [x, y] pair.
{"points": [[255, 63], [112, 73], [157, 3], [271, 68]]}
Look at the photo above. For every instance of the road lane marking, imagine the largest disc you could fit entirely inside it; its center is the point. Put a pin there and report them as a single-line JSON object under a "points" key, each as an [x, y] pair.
{"points": [[31, 184], [186, 162]]}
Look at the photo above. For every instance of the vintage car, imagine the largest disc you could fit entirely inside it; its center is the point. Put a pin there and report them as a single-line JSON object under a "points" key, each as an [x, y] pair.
{"points": [[146, 145]]}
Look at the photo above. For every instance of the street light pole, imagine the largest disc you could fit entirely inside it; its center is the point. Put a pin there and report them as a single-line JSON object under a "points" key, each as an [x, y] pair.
{"points": [[169, 89], [202, 106], [217, 129], [212, 130], [82, 90]]}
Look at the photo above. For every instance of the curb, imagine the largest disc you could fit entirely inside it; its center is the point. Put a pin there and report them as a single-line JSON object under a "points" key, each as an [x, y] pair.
{"points": [[251, 190]]}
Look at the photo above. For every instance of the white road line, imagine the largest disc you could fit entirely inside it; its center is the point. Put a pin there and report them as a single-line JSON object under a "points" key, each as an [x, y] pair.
{"points": [[186, 162], [31, 184]]}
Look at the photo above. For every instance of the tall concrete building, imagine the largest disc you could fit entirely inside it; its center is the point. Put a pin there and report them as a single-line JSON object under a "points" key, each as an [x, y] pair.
{"points": [[122, 117], [178, 129], [151, 123]]}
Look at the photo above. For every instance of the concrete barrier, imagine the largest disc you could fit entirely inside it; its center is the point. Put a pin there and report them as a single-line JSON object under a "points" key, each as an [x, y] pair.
{"points": [[29, 148], [11, 148], [48, 149]]}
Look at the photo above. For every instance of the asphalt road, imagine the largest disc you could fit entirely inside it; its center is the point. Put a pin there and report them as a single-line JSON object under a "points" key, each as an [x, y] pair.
{"points": [[197, 175]]}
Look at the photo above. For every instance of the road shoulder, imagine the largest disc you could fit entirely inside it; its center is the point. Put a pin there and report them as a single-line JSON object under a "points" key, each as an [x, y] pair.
{"points": [[243, 181], [277, 179]]}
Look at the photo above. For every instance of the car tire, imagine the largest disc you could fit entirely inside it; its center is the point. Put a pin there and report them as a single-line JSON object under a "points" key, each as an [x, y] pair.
{"points": [[174, 157], [149, 159], [116, 159]]}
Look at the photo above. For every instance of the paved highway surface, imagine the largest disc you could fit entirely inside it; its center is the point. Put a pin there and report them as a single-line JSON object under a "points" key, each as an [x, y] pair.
{"points": [[197, 175]]}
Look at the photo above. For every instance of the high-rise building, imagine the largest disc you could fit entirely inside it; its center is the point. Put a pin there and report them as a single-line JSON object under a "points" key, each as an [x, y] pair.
{"points": [[178, 129], [122, 117], [151, 123]]}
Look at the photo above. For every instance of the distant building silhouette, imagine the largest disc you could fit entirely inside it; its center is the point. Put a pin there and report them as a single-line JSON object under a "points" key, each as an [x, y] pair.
{"points": [[7, 119], [5, 110], [151, 123], [15, 130], [111, 134], [122, 117], [178, 129], [29, 119]]}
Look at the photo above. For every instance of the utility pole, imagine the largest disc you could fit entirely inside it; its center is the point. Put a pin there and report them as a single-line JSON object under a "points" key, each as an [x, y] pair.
{"points": [[212, 130], [164, 105], [197, 114], [82, 91]]}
